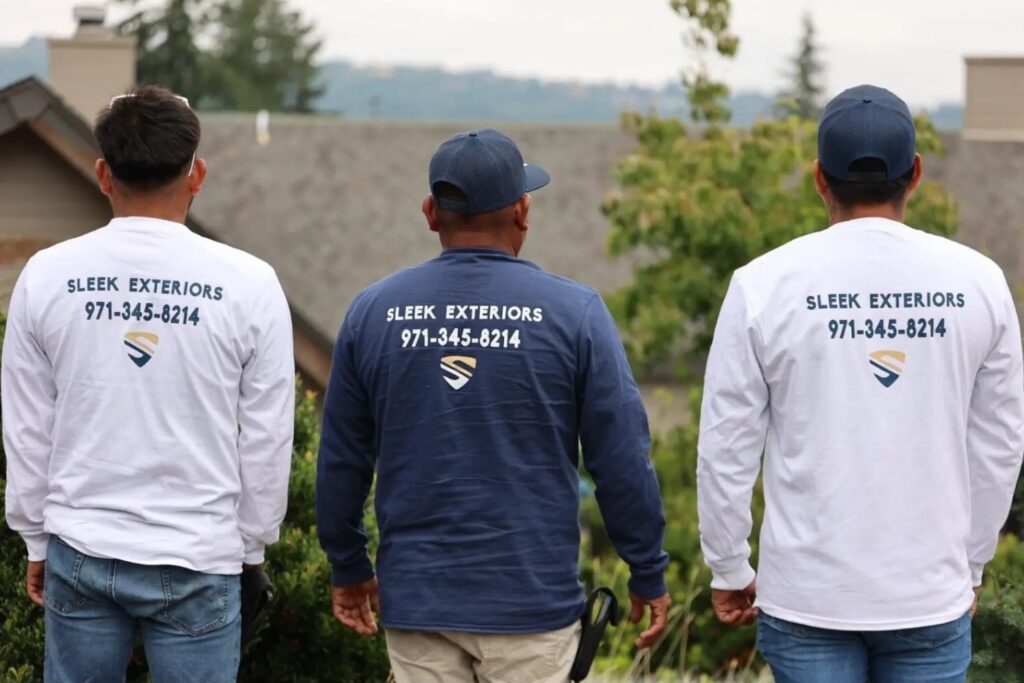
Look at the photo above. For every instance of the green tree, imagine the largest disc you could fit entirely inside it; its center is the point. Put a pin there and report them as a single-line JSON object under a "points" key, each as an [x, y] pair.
{"points": [[264, 58], [228, 54], [700, 202], [806, 70], [167, 50]]}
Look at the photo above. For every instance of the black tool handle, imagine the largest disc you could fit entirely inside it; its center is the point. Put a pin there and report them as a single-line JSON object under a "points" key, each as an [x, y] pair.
{"points": [[593, 630]]}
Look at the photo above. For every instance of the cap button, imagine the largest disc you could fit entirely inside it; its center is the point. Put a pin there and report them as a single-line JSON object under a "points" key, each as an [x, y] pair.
{"points": [[867, 100], [472, 135]]}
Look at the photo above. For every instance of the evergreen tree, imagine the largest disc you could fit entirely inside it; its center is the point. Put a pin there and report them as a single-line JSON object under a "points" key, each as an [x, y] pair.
{"points": [[227, 54], [263, 58], [167, 51], [803, 95]]}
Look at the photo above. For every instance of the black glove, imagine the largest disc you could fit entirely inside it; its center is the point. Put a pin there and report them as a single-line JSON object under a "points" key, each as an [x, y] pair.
{"points": [[257, 593]]}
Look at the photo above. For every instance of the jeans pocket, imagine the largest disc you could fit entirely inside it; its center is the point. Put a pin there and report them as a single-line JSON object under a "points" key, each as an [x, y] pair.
{"points": [[787, 627], [60, 584], [931, 637], [196, 603]]}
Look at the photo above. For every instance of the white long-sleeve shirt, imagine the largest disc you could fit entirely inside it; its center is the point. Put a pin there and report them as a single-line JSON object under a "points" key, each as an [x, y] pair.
{"points": [[879, 370], [148, 387]]}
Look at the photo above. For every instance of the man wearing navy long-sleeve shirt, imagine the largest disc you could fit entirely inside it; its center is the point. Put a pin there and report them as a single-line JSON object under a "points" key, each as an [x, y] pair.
{"points": [[469, 383]]}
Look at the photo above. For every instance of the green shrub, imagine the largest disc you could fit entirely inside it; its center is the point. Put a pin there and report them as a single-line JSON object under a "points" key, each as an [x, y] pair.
{"points": [[302, 643], [999, 623], [21, 622], [1015, 523], [696, 642]]}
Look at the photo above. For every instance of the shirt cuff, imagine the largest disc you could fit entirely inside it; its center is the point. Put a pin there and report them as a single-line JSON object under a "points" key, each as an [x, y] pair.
{"points": [[351, 573], [254, 554], [37, 545], [733, 580], [977, 572], [648, 587]]}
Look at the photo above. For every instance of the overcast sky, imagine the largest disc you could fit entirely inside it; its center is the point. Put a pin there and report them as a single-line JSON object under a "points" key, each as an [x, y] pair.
{"points": [[915, 47]]}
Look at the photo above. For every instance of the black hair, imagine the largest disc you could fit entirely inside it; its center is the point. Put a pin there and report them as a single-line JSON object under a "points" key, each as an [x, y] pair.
{"points": [[148, 138], [869, 193]]}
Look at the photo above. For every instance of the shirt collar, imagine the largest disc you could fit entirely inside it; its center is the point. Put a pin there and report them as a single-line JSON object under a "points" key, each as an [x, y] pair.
{"points": [[145, 222], [869, 222], [484, 252]]}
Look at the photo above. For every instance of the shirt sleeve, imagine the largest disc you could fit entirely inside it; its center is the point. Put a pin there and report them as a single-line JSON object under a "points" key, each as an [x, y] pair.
{"points": [[266, 410], [345, 466], [995, 437], [616, 451], [29, 399], [733, 430]]}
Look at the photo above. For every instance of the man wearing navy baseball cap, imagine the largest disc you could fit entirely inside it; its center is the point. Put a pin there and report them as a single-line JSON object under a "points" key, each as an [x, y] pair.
{"points": [[878, 369], [468, 383]]}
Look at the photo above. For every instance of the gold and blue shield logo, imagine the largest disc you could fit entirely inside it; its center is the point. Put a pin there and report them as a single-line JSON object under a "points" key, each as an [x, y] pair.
{"points": [[888, 366], [141, 346]]}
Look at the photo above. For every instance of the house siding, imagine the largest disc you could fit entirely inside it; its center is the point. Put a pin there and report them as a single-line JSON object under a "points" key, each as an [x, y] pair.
{"points": [[41, 195]]}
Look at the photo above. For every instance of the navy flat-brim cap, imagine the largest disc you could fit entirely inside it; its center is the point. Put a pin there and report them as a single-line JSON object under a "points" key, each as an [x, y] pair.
{"points": [[866, 122], [487, 167]]}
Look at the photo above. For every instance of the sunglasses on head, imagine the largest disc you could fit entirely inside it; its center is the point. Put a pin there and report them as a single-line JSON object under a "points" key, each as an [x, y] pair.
{"points": [[115, 98], [181, 98]]}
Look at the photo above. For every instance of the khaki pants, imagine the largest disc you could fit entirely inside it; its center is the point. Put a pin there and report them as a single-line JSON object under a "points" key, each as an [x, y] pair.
{"points": [[454, 657]]}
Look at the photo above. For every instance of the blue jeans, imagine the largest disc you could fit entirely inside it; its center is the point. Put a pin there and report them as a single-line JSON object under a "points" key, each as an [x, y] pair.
{"points": [[190, 621], [804, 654]]}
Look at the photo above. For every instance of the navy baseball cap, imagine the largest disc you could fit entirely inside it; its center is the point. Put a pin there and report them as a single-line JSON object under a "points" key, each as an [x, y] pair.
{"points": [[866, 122], [486, 166]]}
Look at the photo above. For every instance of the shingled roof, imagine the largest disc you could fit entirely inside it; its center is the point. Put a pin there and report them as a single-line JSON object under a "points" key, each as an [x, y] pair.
{"points": [[334, 204], [987, 179]]}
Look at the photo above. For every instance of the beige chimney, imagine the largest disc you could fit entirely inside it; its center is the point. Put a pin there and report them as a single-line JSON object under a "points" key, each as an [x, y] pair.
{"points": [[93, 65], [994, 109]]}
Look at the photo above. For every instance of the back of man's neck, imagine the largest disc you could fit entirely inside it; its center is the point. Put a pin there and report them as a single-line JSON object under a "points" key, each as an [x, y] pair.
{"points": [[154, 205], [475, 240], [843, 214]]}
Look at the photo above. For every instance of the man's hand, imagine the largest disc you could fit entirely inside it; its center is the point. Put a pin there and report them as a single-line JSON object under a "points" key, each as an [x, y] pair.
{"points": [[974, 605], [735, 608], [354, 606], [659, 617], [34, 581]]}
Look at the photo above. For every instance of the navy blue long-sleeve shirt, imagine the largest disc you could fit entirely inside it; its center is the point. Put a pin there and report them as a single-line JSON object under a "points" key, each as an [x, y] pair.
{"points": [[470, 382]]}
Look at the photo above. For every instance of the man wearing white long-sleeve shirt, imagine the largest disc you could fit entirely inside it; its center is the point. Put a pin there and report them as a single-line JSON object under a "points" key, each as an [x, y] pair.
{"points": [[878, 368], [147, 389]]}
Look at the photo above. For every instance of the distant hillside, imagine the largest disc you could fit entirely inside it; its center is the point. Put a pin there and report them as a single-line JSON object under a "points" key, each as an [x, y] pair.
{"points": [[427, 93], [405, 92]]}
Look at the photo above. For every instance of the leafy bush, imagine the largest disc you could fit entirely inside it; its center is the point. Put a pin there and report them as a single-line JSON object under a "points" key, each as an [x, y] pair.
{"points": [[302, 643], [999, 623], [695, 642], [21, 623]]}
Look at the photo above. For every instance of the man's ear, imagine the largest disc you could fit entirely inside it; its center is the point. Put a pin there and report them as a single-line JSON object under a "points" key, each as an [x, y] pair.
{"points": [[104, 177], [195, 181], [522, 213], [915, 180], [820, 184], [429, 209]]}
